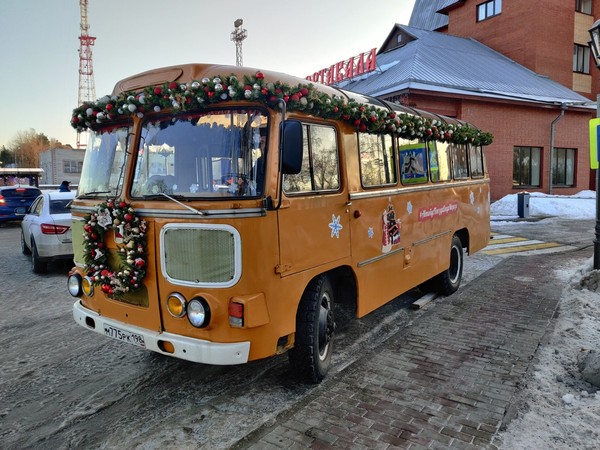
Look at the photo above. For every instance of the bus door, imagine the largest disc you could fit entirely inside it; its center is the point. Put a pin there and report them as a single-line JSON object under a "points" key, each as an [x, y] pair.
{"points": [[313, 218]]}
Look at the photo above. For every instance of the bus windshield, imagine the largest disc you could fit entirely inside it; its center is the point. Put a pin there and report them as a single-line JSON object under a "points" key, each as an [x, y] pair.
{"points": [[104, 163], [209, 154]]}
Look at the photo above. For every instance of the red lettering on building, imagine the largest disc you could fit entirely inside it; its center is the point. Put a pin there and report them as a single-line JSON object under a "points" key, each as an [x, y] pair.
{"points": [[346, 69]]}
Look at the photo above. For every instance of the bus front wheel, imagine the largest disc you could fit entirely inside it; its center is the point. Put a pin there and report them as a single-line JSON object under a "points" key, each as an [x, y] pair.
{"points": [[449, 280], [315, 325]]}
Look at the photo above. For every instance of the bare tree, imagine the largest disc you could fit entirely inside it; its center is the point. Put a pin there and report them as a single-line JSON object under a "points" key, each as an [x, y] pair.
{"points": [[27, 146]]}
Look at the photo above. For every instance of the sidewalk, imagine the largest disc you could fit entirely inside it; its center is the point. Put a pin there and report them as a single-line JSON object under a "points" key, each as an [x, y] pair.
{"points": [[447, 380]]}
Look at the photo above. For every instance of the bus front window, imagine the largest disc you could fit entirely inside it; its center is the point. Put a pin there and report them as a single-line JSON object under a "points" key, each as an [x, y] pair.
{"points": [[209, 154], [104, 163]]}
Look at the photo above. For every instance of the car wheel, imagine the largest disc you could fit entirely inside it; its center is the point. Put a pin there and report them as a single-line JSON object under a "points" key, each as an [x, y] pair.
{"points": [[311, 356], [37, 265], [24, 248]]}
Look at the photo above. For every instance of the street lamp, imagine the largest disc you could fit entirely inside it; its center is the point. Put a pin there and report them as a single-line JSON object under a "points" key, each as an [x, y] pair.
{"points": [[595, 49]]}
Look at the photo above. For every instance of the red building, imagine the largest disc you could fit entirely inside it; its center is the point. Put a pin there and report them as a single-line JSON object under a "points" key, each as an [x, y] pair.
{"points": [[520, 71]]}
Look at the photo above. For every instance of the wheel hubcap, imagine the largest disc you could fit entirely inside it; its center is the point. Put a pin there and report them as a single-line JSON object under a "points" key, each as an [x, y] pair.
{"points": [[326, 326]]}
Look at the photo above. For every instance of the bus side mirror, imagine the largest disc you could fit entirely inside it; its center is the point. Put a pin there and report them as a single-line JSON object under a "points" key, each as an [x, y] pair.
{"points": [[291, 142]]}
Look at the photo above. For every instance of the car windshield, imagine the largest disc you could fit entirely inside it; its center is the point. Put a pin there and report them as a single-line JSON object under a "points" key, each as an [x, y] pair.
{"points": [[60, 206], [216, 154], [104, 163]]}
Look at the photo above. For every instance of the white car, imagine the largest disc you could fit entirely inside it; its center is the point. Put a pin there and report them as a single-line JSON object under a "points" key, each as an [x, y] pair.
{"points": [[46, 230]]}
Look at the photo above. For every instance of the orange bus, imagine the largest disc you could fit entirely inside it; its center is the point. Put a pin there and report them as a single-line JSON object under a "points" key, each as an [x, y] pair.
{"points": [[223, 211]]}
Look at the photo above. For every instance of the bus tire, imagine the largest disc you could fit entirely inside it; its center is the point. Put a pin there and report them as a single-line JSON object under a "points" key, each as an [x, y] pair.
{"points": [[37, 265], [449, 279], [310, 357]]}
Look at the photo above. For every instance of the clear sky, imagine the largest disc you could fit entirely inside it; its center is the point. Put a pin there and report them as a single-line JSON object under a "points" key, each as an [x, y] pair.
{"points": [[39, 43]]}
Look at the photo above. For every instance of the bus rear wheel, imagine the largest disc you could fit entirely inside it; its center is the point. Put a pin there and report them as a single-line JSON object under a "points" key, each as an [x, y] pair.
{"points": [[315, 326], [449, 280]]}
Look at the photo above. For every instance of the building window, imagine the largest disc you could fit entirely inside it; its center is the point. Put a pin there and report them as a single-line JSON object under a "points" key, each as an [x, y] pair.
{"points": [[72, 166], [583, 6], [488, 9], [563, 172], [581, 59], [526, 166]]}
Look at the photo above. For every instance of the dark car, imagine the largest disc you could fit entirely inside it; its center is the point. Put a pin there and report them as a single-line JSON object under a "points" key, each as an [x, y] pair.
{"points": [[16, 200]]}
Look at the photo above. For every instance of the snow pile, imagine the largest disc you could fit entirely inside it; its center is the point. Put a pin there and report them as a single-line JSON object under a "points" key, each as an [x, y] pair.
{"points": [[578, 206], [559, 408]]}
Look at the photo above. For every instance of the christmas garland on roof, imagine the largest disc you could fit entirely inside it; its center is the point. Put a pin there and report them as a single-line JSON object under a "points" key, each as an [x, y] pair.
{"points": [[302, 97]]}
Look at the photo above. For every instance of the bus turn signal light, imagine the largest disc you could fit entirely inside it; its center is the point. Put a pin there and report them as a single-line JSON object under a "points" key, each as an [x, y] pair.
{"points": [[236, 314]]}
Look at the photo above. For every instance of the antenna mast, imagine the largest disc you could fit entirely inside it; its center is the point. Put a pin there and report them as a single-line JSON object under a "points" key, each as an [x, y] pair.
{"points": [[87, 87], [237, 36]]}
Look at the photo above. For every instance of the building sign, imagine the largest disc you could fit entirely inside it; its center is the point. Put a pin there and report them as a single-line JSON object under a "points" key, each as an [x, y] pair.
{"points": [[346, 69]]}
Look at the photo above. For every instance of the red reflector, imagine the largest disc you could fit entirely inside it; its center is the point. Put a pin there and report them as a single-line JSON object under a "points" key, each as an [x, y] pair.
{"points": [[48, 228], [236, 310]]}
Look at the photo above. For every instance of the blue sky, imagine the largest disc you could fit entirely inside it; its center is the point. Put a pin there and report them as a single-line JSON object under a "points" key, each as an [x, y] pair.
{"points": [[39, 43]]}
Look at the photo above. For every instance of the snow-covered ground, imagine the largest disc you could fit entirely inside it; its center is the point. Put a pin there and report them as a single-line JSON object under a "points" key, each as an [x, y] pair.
{"points": [[559, 409]]}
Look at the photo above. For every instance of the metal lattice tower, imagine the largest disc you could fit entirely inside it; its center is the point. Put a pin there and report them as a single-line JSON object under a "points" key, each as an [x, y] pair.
{"points": [[87, 87], [237, 36]]}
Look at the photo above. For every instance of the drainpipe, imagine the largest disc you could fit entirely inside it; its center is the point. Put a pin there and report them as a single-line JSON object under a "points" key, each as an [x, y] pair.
{"points": [[563, 108]]}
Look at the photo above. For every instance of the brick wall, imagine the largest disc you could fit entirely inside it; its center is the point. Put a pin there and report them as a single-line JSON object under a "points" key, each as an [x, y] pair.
{"points": [[517, 125]]}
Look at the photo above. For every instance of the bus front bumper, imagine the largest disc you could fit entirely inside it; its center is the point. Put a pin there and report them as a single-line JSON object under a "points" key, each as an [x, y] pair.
{"points": [[190, 349]]}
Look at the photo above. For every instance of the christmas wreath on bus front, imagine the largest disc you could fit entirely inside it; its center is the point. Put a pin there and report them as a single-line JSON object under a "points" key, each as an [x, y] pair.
{"points": [[130, 237]]}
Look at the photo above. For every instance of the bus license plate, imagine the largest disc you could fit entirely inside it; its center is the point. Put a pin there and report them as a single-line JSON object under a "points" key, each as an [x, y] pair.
{"points": [[125, 336]]}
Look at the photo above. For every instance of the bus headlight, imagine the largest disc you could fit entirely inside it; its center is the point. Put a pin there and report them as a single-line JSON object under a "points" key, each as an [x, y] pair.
{"points": [[198, 312], [176, 305], [74, 285], [87, 285]]}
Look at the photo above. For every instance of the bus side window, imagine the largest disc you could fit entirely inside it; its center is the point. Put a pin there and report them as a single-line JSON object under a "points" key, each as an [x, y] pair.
{"points": [[476, 160], [439, 161], [320, 162], [377, 162], [460, 168], [414, 166]]}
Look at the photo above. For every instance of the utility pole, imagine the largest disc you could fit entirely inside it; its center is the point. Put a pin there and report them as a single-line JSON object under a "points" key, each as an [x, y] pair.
{"points": [[237, 36]]}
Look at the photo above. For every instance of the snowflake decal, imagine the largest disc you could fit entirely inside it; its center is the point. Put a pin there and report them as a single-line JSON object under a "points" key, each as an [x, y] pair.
{"points": [[335, 226], [409, 207], [371, 233], [472, 197]]}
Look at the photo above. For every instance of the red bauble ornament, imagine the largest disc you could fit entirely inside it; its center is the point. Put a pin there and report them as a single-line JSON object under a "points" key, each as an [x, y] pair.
{"points": [[259, 76], [157, 90], [172, 85]]}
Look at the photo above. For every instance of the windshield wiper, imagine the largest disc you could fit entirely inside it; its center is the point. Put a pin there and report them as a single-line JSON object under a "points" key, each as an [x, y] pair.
{"points": [[162, 194], [97, 192]]}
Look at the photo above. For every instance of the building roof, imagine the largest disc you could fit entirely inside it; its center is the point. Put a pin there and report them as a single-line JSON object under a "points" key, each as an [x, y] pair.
{"points": [[444, 63], [425, 14]]}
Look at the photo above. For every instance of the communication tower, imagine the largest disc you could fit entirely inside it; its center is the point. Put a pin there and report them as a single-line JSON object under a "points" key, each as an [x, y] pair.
{"points": [[87, 87], [237, 36]]}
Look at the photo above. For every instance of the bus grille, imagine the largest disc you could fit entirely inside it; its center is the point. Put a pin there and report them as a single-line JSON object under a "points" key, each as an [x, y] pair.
{"points": [[201, 255]]}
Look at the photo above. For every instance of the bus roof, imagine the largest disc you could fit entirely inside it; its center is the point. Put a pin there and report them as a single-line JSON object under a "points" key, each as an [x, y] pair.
{"points": [[188, 87]]}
